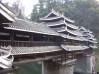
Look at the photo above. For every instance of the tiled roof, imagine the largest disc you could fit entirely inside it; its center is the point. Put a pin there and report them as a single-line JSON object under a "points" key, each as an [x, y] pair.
{"points": [[93, 46], [59, 15], [83, 29], [92, 41], [92, 38], [61, 30], [50, 18], [81, 33], [74, 32], [73, 38], [71, 26], [60, 22], [54, 23], [33, 50], [72, 21], [74, 48], [64, 29], [6, 12], [27, 26], [88, 35]]}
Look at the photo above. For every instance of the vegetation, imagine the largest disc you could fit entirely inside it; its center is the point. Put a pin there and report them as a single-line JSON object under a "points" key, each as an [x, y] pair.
{"points": [[34, 68]]}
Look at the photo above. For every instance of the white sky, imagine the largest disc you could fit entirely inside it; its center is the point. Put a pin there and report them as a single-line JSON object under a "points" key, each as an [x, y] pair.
{"points": [[28, 5]]}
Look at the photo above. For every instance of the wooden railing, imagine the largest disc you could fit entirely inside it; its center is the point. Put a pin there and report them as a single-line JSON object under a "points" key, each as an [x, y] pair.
{"points": [[26, 43], [33, 43], [69, 43]]}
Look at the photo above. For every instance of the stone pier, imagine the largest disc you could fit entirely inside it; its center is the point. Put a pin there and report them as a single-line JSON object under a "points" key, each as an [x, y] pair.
{"points": [[84, 64], [49, 67]]}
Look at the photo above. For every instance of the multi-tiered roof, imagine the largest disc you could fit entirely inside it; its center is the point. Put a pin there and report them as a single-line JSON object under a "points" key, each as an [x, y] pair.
{"points": [[66, 28]]}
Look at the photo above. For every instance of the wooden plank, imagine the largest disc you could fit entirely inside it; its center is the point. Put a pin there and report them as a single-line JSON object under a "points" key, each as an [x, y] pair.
{"points": [[68, 62]]}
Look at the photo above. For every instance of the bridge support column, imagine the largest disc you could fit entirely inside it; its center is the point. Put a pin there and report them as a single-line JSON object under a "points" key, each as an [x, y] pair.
{"points": [[54, 68], [84, 64]]}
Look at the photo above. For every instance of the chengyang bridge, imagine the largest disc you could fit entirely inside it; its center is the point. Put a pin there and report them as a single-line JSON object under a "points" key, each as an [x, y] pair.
{"points": [[62, 47]]}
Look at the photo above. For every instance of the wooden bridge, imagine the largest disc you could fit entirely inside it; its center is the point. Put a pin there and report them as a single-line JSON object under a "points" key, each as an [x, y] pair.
{"points": [[62, 47]]}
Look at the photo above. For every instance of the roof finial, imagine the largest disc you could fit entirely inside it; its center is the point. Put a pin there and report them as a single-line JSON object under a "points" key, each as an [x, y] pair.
{"points": [[62, 14], [53, 10]]}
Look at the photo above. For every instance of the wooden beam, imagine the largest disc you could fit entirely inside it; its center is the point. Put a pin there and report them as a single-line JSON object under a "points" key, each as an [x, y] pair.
{"points": [[69, 62], [18, 63], [12, 37]]}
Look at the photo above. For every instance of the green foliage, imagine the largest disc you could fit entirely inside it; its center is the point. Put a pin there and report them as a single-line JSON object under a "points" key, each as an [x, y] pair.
{"points": [[97, 66]]}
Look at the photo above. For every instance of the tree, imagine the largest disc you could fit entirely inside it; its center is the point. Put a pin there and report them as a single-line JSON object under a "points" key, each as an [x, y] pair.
{"points": [[35, 14], [18, 9], [84, 12]]}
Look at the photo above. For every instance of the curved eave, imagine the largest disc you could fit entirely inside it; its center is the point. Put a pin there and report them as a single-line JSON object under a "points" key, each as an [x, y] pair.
{"points": [[94, 47], [90, 31], [71, 26], [73, 38], [7, 13], [30, 31], [63, 30], [74, 48], [69, 20], [49, 19], [87, 32], [74, 32], [84, 30], [56, 24], [92, 41], [91, 35], [7, 16], [76, 38]]}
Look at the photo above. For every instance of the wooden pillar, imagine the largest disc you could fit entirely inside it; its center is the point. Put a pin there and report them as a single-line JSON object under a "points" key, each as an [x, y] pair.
{"points": [[12, 37], [48, 38], [65, 57], [31, 39], [54, 68], [85, 64]]}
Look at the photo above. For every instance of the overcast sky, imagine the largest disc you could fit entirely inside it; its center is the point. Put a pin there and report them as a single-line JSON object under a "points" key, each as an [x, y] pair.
{"points": [[28, 5]]}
